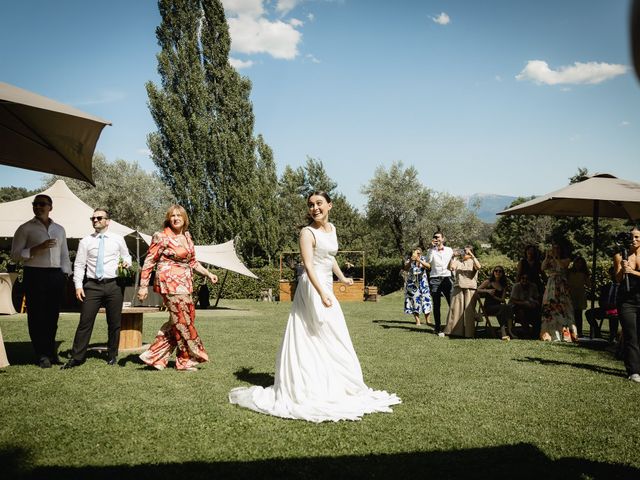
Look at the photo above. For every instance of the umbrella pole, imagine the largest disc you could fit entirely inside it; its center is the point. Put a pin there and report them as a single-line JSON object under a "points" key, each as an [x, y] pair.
{"points": [[596, 214], [221, 287]]}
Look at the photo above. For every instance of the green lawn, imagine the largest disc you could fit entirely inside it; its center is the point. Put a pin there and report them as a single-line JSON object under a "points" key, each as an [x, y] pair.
{"points": [[471, 408]]}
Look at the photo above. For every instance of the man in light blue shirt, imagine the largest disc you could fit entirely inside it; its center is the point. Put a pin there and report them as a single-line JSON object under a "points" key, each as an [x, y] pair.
{"points": [[94, 275]]}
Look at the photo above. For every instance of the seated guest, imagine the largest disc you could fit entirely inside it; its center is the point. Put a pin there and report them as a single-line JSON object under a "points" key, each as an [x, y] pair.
{"points": [[531, 264], [494, 292], [606, 309], [525, 300], [578, 278]]}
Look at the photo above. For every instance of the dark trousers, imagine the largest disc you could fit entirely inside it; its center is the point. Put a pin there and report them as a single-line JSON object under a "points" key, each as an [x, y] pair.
{"points": [[440, 287], [629, 315], [43, 289], [98, 294]]}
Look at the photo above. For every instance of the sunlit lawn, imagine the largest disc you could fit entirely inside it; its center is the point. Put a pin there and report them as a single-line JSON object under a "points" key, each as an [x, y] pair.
{"points": [[471, 408]]}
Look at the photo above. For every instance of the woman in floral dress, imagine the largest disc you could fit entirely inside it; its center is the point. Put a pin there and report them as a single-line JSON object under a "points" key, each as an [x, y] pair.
{"points": [[172, 253], [557, 309], [417, 297]]}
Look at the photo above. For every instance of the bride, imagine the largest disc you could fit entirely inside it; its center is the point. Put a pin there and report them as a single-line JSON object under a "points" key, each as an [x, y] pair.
{"points": [[318, 376]]}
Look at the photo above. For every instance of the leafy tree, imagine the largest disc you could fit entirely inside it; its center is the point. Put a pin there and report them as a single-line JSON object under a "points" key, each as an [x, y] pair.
{"points": [[266, 241], [204, 146], [398, 204], [512, 233], [134, 197], [9, 194], [395, 200]]}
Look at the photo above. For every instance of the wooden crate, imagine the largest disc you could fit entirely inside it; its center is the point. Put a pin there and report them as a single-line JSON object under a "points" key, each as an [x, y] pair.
{"points": [[287, 290], [344, 293], [371, 294]]}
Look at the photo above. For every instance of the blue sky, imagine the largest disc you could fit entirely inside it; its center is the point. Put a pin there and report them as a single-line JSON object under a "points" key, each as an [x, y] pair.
{"points": [[498, 96]]}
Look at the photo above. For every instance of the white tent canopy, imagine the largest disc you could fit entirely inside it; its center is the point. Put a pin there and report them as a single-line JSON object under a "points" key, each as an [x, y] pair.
{"points": [[221, 256], [68, 210]]}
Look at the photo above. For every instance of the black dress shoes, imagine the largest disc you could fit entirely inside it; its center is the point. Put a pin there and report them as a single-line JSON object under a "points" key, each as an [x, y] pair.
{"points": [[56, 360], [112, 361], [71, 364], [44, 362]]}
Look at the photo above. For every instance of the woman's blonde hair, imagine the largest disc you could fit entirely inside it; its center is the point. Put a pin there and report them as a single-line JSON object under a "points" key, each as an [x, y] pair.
{"points": [[183, 214]]}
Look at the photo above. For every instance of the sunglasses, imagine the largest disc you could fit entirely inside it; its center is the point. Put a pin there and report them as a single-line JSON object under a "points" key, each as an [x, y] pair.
{"points": [[98, 219], [40, 204]]}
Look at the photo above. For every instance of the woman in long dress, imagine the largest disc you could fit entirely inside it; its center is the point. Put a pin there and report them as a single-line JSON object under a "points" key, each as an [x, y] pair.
{"points": [[318, 376], [417, 297], [173, 255], [461, 317], [557, 310]]}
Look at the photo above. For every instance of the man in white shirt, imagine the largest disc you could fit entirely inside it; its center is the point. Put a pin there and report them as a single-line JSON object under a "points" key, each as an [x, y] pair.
{"points": [[41, 244], [438, 257], [97, 259]]}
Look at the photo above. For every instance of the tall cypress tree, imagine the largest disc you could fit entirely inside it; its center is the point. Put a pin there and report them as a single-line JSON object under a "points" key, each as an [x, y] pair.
{"points": [[204, 145]]}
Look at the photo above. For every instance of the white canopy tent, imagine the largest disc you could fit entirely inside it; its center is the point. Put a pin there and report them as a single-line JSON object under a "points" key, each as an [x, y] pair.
{"points": [[68, 210]]}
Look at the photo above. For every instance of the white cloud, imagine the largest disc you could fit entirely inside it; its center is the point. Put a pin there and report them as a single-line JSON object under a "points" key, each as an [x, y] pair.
{"points": [[251, 8], [442, 19], [538, 71], [498, 78], [260, 35], [311, 17], [294, 22], [312, 58], [285, 6], [144, 151], [240, 64], [624, 123]]}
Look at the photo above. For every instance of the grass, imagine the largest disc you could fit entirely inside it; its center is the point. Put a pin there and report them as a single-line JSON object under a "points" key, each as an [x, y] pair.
{"points": [[478, 408]]}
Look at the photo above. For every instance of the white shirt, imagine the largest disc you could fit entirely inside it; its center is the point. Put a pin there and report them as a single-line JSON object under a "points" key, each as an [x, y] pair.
{"points": [[87, 256], [33, 233], [439, 260]]}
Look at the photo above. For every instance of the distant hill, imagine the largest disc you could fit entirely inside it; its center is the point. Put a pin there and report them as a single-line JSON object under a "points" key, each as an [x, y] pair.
{"points": [[490, 204]]}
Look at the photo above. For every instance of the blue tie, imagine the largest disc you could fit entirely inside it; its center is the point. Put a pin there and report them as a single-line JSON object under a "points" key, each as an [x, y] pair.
{"points": [[100, 261]]}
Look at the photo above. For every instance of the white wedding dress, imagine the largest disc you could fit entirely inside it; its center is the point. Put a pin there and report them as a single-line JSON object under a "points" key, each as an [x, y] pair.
{"points": [[318, 376]]}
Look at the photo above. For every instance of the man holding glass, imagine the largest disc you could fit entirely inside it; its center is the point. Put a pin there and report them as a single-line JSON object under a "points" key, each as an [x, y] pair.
{"points": [[94, 274], [41, 244]]}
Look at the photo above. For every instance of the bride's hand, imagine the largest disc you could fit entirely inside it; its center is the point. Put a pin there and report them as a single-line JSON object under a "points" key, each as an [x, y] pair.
{"points": [[326, 300], [347, 281]]}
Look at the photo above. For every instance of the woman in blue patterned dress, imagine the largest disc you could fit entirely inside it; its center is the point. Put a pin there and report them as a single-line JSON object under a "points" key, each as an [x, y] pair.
{"points": [[417, 297]]}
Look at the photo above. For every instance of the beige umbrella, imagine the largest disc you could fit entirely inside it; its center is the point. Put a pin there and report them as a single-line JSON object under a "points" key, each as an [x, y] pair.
{"points": [[601, 195], [37, 133]]}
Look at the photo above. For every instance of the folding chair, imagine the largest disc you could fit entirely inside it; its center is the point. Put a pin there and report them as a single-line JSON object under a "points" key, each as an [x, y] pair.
{"points": [[482, 315]]}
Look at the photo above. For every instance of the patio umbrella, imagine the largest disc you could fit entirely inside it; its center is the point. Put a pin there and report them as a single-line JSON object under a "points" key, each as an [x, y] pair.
{"points": [[601, 195], [37, 133]]}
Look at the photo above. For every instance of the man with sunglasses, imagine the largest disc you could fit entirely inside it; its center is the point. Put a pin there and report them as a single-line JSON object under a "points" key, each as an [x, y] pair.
{"points": [[41, 244], [95, 274], [440, 284]]}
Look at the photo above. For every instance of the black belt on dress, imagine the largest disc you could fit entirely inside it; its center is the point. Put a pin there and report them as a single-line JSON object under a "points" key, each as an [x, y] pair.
{"points": [[104, 280]]}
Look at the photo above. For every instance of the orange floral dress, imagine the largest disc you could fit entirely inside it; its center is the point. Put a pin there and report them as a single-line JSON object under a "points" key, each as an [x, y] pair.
{"points": [[174, 262]]}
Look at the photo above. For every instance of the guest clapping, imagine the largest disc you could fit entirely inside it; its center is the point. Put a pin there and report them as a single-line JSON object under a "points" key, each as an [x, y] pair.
{"points": [[461, 317], [417, 298]]}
